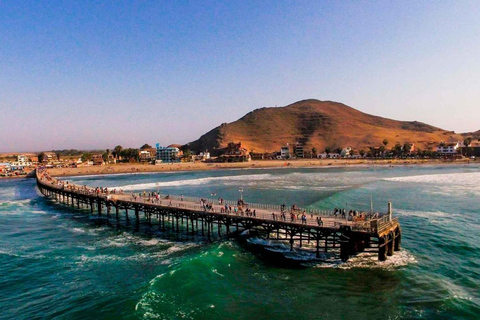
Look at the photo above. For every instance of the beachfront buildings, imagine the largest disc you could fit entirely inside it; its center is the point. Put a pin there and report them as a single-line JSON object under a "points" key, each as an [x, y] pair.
{"points": [[346, 152], [97, 160], [22, 160], [167, 154], [447, 149], [235, 153], [285, 152], [5, 167], [473, 150], [330, 155], [298, 150], [147, 154]]}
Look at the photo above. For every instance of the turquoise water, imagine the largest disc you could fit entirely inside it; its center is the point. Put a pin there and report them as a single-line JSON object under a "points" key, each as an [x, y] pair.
{"points": [[62, 263]]}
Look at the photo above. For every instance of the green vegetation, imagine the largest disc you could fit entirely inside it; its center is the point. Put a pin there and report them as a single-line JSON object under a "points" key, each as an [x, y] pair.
{"points": [[87, 156], [67, 152], [41, 156]]}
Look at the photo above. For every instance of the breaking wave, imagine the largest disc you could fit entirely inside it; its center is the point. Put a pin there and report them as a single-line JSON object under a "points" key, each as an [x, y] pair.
{"points": [[469, 179], [193, 182]]}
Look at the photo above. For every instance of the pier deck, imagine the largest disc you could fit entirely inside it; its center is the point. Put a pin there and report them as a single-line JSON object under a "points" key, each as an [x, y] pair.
{"points": [[328, 231]]}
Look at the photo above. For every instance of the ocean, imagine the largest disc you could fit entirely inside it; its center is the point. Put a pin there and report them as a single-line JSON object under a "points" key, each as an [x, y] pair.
{"points": [[64, 263]]}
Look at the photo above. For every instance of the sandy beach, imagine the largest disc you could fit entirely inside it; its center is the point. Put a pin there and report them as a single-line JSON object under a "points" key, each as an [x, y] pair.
{"points": [[197, 166]]}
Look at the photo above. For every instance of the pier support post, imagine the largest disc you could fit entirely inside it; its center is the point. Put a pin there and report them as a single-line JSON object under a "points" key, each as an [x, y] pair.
{"points": [[382, 249], [398, 240], [390, 244], [137, 217], [209, 228], [344, 248]]}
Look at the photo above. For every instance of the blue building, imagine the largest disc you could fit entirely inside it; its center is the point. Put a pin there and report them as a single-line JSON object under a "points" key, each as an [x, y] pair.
{"points": [[168, 154]]}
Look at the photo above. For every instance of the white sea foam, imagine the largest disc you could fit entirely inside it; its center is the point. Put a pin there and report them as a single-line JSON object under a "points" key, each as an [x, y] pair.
{"points": [[469, 179], [370, 260], [102, 175], [425, 214], [39, 212], [446, 184], [15, 202], [215, 271], [193, 182]]}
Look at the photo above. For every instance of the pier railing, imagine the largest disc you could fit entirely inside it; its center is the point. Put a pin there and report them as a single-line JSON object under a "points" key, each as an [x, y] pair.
{"points": [[365, 223], [188, 204]]}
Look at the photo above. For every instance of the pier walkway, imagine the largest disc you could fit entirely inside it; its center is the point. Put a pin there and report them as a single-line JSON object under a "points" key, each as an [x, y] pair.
{"points": [[348, 234]]}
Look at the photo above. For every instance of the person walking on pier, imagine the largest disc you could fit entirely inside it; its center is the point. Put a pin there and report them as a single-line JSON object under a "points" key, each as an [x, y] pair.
{"points": [[304, 218], [319, 222]]}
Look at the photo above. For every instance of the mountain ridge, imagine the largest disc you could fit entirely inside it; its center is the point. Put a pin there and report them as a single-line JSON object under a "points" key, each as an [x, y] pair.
{"points": [[318, 124]]}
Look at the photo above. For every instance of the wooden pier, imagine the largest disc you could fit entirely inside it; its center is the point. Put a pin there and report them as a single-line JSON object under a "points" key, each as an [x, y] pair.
{"points": [[319, 232]]}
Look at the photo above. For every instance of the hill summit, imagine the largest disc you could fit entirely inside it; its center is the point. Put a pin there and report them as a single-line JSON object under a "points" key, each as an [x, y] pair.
{"points": [[318, 124]]}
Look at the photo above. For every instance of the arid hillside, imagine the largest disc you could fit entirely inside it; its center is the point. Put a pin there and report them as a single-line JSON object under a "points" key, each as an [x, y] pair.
{"points": [[474, 135], [318, 124]]}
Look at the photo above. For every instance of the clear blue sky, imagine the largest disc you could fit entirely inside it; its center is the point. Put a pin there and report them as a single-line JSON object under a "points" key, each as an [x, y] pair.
{"points": [[91, 74]]}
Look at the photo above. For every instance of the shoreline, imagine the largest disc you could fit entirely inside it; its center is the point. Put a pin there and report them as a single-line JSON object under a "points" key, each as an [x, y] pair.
{"points": [[129, 168]]}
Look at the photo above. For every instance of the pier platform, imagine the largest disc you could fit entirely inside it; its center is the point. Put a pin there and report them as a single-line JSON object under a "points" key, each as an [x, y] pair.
{"points": [[300, 228]]}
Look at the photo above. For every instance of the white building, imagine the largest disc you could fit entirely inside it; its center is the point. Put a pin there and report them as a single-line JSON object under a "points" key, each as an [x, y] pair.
{"points": [[346, 152], [202, 156], [22, 160], [285, 152], [324, 155], [448, 148]]}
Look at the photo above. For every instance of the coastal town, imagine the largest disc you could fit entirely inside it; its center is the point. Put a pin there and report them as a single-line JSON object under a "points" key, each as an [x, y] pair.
{"points": [[18, 165]]}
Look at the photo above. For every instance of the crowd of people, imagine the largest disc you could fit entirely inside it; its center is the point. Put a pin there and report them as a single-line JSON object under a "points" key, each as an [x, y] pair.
{"points": [[241, 208]]}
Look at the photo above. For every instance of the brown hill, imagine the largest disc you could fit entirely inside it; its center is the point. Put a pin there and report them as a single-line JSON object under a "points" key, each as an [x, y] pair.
{"points": [[318, 124], [474, 135]]}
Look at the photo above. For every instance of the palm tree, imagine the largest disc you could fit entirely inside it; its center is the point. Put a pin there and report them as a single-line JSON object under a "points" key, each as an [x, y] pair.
{"points": [[117, 150], [467, 142]]}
